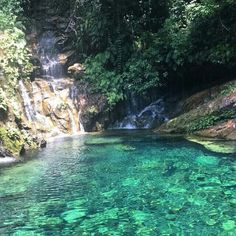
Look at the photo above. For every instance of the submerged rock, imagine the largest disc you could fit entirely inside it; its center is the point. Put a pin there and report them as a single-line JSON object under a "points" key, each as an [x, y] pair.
{"points": [[207, 160], [4, 153], [229, 225], [73, 215], [219, 146]]}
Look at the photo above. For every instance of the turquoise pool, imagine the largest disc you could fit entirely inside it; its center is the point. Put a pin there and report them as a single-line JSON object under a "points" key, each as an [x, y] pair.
{"points": [[133, 183]]}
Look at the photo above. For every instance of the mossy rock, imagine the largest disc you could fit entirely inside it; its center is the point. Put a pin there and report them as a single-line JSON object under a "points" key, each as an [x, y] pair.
{"points": [[229, 225], [74, 215], [219, 146], [207, 160], [14, 145]]}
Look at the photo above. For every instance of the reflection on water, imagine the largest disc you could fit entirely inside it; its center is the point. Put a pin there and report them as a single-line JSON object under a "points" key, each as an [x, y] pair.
{"points": [[120, 184]]}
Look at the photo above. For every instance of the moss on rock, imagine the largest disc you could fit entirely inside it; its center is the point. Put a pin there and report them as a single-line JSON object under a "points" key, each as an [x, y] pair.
{"points": [[11, 141], [16, 141], [219, 146], [214, 116]]}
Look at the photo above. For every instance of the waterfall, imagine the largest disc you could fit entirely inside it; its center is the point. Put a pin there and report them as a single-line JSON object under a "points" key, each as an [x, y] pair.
{"points": [[80, 124], [50, 101], [52, 108], [29, 109], [73, 123], [147, 118], [62, 90], [48, 56]]}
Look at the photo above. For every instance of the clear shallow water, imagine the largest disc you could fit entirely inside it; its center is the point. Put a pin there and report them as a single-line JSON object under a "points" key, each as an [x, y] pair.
{"points": [[120, 184]]}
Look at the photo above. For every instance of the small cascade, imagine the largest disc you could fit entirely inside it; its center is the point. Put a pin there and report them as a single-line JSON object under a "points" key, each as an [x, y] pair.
{"points": [[51, 99], [48, 56], [148, 118], [80, 124], [52, 108], [74, 128], [29, 109]]}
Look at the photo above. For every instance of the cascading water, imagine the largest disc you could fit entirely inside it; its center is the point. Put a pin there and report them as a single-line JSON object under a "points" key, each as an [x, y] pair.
{"points": [[74, 128], [28, 108], [53, 106], [148, 118], [48, 56], [80, 124]]}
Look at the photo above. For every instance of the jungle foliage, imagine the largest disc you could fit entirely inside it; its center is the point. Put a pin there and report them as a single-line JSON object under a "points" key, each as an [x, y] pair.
{"points": [[14, 56], [131, 45]]}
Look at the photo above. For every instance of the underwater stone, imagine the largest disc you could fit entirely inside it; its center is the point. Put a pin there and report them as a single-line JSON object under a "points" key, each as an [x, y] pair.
{"points": [[229, 225], [141, 216], [211, 222], [103, 230], [132, 182], [25, 233], [177, 190], [124, 147], [103, 141], [171, 217], [229, 184], [214, 181], [76, 203], [207, 160], [227, 192], [73, 215], [232, 201]]}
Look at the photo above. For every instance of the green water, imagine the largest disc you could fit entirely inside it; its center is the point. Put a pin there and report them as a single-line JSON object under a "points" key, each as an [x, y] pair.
{"points": [[120, 184]]}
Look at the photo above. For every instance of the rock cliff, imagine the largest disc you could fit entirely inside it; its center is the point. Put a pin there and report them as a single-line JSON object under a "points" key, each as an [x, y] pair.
{"points": [[210, 113]]}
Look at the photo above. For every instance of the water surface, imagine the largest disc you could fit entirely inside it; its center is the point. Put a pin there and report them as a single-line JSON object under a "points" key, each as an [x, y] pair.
{"points": [[120, 184]]}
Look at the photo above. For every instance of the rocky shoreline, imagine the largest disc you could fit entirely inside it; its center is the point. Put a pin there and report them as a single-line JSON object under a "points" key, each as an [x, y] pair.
{"points": [[210, 113], [6, 157]]}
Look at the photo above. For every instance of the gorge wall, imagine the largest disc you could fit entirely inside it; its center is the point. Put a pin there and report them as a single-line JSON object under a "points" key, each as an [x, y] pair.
{"points": [[52, 102]]}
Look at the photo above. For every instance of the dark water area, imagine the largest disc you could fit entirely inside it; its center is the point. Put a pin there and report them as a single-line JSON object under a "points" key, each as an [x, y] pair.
{"points": [[120, 183]]}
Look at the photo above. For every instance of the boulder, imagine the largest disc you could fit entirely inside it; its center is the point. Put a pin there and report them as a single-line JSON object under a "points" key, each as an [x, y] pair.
{"points": [[43, 143], [76, 70], [93, 112], [224, 130], [63, 57], [210, 113], [5, 153]]}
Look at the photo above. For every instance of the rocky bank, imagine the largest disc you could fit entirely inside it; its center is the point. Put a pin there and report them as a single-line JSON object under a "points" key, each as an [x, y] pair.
{"points": [[210, 113], [54, 101]]}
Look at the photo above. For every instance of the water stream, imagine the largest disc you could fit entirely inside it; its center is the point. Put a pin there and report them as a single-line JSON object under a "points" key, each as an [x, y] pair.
{"points": [[48, 55], [51, 103], [147, 118], [74, 128], [28, 108]]}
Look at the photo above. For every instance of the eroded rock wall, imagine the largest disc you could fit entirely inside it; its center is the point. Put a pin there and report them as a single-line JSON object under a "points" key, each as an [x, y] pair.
{"points": [[210, 113]]}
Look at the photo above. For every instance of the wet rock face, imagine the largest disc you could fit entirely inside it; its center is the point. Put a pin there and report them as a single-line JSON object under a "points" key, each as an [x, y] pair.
{"points": [[60, 104], [224, 130], [53, 110], [93, 112], [4, 153], [151, 116], [211, 113]]}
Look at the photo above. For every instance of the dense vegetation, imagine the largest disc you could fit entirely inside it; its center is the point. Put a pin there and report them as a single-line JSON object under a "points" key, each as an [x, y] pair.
{"points": [[14, 56], [132, 46], [138, 45]]}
